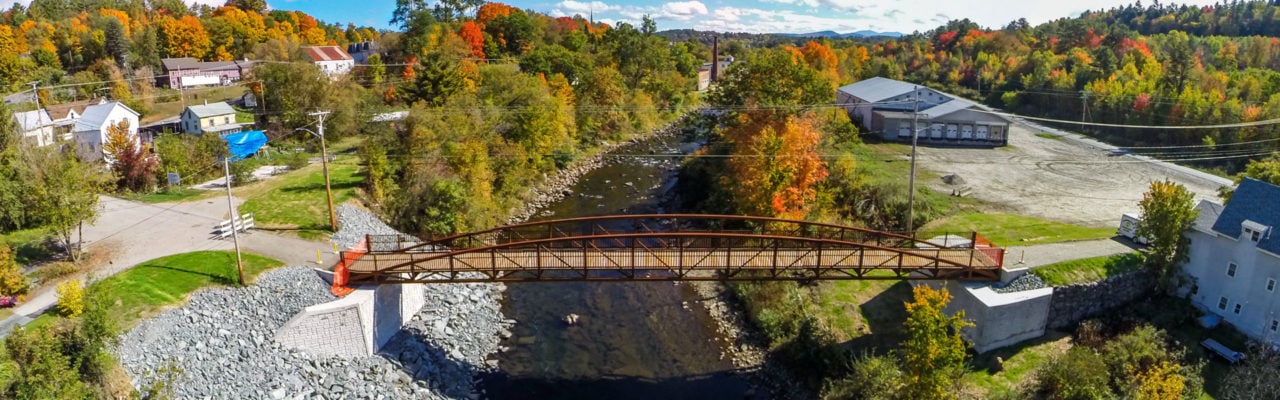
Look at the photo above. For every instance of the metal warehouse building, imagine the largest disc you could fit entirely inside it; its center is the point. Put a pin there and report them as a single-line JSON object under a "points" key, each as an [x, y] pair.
{"points": [[884, 107]]}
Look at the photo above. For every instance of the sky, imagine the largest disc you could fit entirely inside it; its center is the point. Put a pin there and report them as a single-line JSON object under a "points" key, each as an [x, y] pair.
{"points": [[754, 16]]}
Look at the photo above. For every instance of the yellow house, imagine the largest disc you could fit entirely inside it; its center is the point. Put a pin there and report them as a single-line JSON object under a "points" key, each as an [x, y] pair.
{"points": [[217, 118]]}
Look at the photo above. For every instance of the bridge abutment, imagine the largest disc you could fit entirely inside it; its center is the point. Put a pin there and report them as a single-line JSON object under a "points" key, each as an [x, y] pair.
{"points": [[356, 325]]}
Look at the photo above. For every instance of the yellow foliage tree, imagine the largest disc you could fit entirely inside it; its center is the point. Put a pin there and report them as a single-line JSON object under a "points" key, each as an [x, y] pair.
{"points": [[934, 353], [1163, 382], [71, 298], [184, 37], [12, 283], [775, 166]]}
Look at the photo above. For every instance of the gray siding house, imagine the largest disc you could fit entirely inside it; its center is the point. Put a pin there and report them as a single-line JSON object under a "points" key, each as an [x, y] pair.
{"points": [[884, 107], [1235, 260]]}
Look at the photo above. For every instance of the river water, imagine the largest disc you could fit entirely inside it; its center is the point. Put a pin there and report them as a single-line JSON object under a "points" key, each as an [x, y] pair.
{"points": [[633, 340]]}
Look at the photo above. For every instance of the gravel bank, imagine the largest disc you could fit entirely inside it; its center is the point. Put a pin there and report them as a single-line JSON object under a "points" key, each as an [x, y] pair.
{"points": [[221, 340]]}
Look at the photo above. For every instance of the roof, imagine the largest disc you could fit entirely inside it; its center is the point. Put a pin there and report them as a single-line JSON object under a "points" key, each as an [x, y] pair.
{"points": [[877, 88], [175, 64], [1254, 201], [209, 110], [327, 53], [61, 111], [956, 104], [32, 120], [223, 127], [1208, 214], [95, 115]]}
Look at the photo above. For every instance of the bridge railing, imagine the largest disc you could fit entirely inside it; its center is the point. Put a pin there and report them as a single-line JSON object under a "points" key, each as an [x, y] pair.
{"points": [[651, 223]]}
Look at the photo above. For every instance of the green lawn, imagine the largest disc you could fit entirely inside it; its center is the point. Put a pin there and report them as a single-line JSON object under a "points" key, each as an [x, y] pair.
{"points": [[1089, 269], [151, 286], [1010, 230], [1020, 361], [297, 200], [29, 245], [1047, 135], [170, 196], [195, 96]]}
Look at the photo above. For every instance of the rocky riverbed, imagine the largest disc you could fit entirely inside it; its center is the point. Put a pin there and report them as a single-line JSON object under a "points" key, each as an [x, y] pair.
{"points": [[221, 340]]}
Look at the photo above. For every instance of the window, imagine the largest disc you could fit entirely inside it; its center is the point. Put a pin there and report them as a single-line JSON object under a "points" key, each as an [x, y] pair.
{"points": [[1222, 303], [1237, 309], [1231, 269], [1255, 236], [1271, 285], [1275, 325], [226, 120]]}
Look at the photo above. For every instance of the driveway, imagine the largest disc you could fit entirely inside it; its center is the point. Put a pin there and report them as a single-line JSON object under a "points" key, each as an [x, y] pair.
{"points": [[1039, 255], [128, 233]]}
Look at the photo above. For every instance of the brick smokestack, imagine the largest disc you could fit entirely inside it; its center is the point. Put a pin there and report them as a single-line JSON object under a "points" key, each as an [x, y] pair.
{"points": [[715, 58]]}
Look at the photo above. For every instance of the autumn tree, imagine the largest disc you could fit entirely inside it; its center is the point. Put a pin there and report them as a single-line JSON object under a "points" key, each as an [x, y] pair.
{"points": [[1167, 212], [183, 37], [775, 166], [62, 192], [934, 352], [132, 162], [770, 79], [12, 282], [253, 6], [471, 33]]}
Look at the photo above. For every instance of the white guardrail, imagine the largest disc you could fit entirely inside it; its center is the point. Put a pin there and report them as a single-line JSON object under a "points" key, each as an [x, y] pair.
{"points": [[223, 229]]}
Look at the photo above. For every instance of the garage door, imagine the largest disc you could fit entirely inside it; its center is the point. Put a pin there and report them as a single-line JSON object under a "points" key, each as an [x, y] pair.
{"points": [[935, 131], [953, 132], [904, 131], [982, 132], [966, 132]]}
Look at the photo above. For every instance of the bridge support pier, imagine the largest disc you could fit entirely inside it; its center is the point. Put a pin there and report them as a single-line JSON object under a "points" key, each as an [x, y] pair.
{"points": [[356, 325]]}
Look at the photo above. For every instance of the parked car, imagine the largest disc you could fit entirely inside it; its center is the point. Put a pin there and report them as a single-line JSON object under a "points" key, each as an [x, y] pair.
{"points": [[8, 301]]}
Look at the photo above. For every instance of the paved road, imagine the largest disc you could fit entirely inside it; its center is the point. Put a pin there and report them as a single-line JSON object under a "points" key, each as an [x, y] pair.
{"points": [[128, 233], [1044, 254]]}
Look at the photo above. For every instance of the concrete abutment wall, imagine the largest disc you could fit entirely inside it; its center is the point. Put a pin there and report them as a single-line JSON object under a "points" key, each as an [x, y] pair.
{"points": [[356, 325]]}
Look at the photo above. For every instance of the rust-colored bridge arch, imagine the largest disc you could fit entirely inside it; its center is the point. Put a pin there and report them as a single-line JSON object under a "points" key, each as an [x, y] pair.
{"points": [[667, 247]]}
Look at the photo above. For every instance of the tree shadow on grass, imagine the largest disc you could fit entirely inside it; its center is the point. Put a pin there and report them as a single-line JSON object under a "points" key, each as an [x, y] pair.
{"points": [[217, 279], [319, 186], [884, 315]]}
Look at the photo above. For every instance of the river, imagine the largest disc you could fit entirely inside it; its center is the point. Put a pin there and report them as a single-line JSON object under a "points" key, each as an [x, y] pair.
{"points": [[633, 340]]}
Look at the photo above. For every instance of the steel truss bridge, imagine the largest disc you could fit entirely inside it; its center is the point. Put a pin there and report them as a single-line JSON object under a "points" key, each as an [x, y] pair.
{"points": [[666, 247]]}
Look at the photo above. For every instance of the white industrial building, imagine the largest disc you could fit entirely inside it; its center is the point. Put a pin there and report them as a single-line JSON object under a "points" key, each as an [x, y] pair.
{"points": [[888, 108]]}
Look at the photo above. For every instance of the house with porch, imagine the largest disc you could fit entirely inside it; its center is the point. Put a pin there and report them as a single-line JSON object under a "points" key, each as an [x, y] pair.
{"points": [[1235, 260], [217, 118]]}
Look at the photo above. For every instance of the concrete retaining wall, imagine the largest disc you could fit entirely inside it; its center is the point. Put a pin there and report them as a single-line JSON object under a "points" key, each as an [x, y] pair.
{"points": [[1000, 319], [356, 325], [1075, 303]]}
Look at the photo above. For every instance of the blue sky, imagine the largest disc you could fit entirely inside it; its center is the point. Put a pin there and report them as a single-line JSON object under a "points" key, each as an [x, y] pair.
{"points": [[756, 16]]}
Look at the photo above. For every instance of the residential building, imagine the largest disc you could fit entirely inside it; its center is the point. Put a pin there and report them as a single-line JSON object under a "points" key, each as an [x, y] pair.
{"points": [[65, 115], [1235, 260], [90, 131], [36, 126], [360, 52], [332, 60], [890, 109], [187, 72], [217, 118]]}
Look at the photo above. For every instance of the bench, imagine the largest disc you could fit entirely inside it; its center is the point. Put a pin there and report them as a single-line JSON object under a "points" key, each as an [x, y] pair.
{"points": [[1223, 351]]}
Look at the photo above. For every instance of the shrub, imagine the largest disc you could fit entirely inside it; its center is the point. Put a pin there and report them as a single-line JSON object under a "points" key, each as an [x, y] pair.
{"points": [[12, 282], [54, 270], [870, 377], [70, 298], [1091, 333], [1079, 374], [295, 160]]}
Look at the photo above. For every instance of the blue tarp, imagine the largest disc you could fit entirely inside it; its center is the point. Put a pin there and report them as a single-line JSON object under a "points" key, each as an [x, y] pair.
{"points": [[244, 144]]}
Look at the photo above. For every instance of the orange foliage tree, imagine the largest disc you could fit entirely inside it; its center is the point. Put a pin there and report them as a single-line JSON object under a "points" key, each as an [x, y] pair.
{"points": [[775, 165], [490, 11], [132, 162], [471, 33], [183, 37]]}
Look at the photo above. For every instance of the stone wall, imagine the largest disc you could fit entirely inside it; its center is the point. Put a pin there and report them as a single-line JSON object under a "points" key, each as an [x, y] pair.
{"points": [[1075, 303]]}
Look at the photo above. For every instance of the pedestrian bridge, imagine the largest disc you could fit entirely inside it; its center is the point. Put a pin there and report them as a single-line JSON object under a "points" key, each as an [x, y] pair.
{"points": [[666, 247]]}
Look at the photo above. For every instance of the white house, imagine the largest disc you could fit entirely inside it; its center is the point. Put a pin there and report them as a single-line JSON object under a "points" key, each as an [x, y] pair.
{"points": [[332, 60], [1235, 260], [90, 131], [217, 118], [65, 115], [36, 126]]}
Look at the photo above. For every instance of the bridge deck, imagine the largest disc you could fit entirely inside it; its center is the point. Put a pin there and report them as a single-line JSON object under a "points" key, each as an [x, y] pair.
{"points": [[667, 264]]}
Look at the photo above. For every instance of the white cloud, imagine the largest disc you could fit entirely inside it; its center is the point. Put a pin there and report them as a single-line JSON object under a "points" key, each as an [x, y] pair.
{"points": [[684, 8]]}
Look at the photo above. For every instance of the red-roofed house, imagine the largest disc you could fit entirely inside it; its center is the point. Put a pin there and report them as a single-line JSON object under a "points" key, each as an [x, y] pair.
{"points": [[333, 60]]}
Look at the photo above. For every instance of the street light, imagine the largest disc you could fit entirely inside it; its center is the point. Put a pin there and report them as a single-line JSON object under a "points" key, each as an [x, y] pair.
{"points": [[324, 160]]}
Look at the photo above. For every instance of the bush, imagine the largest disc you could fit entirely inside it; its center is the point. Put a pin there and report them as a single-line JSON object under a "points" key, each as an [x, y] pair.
{"points": [[1079, 374], [12, 282], [295, 161], [54, 270], [870, 377], [71, 298]]}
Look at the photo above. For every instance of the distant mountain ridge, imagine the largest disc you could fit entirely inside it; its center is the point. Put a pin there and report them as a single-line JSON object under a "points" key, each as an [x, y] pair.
{"points": [[838, 35]]}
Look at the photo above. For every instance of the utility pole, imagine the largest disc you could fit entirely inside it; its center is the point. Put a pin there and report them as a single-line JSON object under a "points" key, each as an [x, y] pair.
{"points": [[1084, 108], [235, 238], [324, 160], [35, 93], [911, 185]]}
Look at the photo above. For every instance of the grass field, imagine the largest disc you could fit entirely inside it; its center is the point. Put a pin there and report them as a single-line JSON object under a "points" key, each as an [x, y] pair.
{"points": [[195, 96], [170, 196], [1011, 230], [1089, 269], [30, 245], [297, 200], [149, 287]]}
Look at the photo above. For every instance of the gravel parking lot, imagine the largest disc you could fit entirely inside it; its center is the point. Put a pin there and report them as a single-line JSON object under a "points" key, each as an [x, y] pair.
{"points": [[1067, 178]]}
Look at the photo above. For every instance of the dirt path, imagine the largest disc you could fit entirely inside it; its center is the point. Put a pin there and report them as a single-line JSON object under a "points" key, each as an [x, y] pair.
{"points": [[128, 233], [1044, 254], [1066, 178]]}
